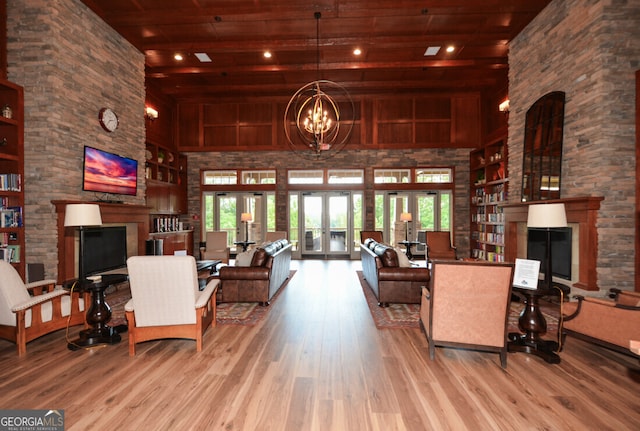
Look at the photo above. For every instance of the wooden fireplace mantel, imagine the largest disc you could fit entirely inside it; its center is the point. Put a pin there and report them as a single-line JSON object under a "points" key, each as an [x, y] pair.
{"points": [[111, 213], [580, 210]]}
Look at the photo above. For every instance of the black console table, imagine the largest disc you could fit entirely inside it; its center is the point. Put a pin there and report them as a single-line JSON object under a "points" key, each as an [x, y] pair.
{"points": [[98, 314]]}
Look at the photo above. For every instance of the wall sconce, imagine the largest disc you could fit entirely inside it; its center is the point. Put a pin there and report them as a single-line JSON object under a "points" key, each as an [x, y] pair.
{"points": [[150, 113], [504, 107]]}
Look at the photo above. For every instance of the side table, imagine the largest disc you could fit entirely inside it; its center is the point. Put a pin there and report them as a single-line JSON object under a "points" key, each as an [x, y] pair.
{"points": [[244, 244], [98, 314], [408, 245], [533, 324]]}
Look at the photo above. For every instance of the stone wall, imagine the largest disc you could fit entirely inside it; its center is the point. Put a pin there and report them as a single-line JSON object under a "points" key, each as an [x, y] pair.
{"points": [[70, 64], [590, 49], [456, 158]]}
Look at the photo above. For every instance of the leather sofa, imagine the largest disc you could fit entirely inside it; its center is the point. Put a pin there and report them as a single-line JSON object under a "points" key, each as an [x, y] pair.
{"points": [[259, 281], [390, 282]]}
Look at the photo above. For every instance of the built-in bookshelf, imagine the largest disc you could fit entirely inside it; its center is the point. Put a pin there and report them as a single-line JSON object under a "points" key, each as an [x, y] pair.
{"points": [[12, 239], [489, 189]]}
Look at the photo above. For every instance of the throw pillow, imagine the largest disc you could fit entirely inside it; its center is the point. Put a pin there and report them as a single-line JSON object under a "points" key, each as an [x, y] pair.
{"points": [[244, 258], [403, 260]]}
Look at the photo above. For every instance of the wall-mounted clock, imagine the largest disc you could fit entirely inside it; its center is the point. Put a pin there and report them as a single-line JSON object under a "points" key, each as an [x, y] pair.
{"points": [[108, 119]]}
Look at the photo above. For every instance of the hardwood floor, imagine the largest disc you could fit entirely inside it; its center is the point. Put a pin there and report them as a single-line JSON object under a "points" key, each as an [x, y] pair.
{"points": [[317, 362]]}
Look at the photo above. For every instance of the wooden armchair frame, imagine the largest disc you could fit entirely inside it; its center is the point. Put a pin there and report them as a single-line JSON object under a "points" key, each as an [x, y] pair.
{"points": [[40, 299]]}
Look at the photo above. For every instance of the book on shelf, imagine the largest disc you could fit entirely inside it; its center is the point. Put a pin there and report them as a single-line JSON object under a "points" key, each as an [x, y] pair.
{"points": [[11, 182], [11, 217]]}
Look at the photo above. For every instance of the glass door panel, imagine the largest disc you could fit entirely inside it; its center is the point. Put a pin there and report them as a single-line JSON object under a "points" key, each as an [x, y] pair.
{"points": [[312, 211], [227, 219], [338, 222]]}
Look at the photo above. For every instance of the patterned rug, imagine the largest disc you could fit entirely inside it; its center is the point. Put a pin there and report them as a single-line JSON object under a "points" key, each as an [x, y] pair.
{"points": [[229, 313], [397, 316]]}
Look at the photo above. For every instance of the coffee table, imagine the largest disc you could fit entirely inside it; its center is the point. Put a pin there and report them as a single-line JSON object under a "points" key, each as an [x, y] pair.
{"points": [[206, 269]]}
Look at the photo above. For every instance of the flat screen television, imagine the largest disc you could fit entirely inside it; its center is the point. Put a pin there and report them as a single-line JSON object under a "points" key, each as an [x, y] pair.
{"points": [[560, 250], [105, 249], [105, 172]]}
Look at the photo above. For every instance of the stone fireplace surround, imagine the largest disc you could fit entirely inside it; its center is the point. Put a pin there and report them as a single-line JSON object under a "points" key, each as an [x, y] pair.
{"points": [[582, 214], [134, 217]]}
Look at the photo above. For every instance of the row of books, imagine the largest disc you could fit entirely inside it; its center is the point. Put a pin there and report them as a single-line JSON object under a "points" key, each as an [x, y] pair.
{"points": [[11, 217], [491, 256], [495, 238], [11, 182], [10, 253], [480, 216]]}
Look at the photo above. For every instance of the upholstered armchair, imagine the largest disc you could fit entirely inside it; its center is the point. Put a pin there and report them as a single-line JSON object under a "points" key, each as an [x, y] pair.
{"points": [[166, 301], [216, 248], [274, 236], [439, 245], [375, 234], [29, 311], [467, 305], [610, 323]]}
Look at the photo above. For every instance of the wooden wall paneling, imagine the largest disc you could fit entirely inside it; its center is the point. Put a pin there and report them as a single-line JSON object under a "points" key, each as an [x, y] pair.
{"points": [[465, 121], [188, 126]]}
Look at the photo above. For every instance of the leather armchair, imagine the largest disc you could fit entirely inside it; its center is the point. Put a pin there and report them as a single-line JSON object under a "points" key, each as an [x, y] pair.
{"points": [[166, 301], [29, 311], [610, 323], [439, 245], [467, 305], [374, 234]]}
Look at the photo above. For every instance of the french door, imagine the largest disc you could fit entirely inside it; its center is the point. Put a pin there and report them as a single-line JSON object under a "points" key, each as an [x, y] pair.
{"points": [[326, 223], [223, 212]]}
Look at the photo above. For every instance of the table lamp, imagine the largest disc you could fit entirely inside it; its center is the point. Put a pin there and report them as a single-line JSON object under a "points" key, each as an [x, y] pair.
{"points": [[81, 216], [246, 218], [547, 216], [406, 218]]}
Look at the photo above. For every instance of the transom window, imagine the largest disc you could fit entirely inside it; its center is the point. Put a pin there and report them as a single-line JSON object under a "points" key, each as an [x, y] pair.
{"points": [[306, 177], [219, 177], [258, 177], [346, 176], [392, 176], [434, 175]]}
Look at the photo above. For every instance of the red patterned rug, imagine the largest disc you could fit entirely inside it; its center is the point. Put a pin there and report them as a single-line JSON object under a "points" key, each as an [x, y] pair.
{"points": [[397, 316], [229, 313]]}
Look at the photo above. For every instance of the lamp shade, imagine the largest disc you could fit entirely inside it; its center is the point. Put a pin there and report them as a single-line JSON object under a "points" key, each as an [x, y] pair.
{"points": [[547, 216], [246, 217], [406, 217], [82, 215]]}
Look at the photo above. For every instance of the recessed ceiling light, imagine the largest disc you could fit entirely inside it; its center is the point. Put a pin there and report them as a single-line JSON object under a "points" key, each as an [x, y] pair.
{"points": [[178, 57], [357, 51], [432, 50], [203, 57], [267, 54], [450, 48]]}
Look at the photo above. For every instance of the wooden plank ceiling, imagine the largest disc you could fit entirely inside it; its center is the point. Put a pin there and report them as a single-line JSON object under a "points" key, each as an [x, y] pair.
{"points": [[392, 35]]}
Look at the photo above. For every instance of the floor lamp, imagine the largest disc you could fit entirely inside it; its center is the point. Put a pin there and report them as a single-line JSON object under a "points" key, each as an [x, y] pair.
{"points": [[246, 218], [547, 216], [81, 216], [406, 218]]}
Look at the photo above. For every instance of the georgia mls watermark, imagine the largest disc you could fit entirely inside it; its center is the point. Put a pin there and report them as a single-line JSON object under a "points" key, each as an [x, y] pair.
{"points": [[31, 420]]}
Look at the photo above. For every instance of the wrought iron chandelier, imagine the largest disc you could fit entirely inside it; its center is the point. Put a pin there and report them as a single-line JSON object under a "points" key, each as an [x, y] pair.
{"points": [[320, 115]]}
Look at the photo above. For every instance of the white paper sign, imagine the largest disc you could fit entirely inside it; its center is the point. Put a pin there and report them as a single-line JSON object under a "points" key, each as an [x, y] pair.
{"points": [[526, 273]]}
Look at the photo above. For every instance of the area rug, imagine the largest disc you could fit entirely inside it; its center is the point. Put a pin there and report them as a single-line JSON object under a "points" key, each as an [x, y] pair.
{"points": [[395, 316], [398, 316], [229, 313]]}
